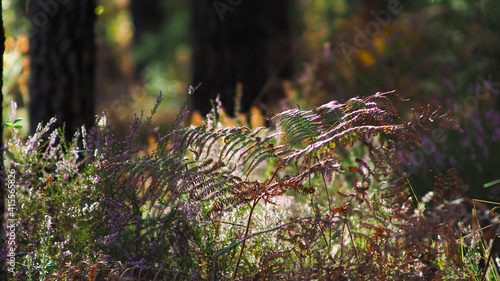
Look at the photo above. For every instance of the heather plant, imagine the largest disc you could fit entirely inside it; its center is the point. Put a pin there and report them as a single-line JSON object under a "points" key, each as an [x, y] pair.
{"points": [[318, 195], [472, 154], [56, 199]]}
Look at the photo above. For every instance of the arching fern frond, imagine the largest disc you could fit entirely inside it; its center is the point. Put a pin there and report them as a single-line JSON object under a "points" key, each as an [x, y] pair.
{"points": [[218, 164], [333, 124]]}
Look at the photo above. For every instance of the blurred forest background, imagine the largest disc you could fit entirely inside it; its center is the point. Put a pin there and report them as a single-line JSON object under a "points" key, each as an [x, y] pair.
{"points": [[441, 52]]}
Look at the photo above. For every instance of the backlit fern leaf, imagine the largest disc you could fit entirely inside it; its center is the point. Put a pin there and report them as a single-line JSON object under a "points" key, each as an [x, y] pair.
{"points": [[335, 124], [204, 163], [219, 154], [151, 178], [299, 126]]}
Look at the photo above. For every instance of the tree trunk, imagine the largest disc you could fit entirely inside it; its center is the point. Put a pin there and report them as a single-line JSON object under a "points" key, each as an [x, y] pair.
{"points": [[62, 52], [148, 17], [239, 41]]}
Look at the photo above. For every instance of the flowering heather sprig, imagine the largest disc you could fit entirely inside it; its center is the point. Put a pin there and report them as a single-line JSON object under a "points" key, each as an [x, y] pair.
{"points": [[53, 198]]}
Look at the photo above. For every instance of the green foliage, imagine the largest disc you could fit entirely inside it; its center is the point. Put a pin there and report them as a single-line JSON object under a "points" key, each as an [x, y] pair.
{"points": [[320, 196]]}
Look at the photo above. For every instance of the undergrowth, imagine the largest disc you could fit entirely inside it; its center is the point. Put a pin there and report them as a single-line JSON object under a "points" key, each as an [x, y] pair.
{"points": [[319, 195]]}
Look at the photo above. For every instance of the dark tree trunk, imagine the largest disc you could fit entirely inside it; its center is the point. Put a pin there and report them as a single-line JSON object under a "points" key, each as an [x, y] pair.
{"points": [[62, 52], [148, 17], [239, 41]]}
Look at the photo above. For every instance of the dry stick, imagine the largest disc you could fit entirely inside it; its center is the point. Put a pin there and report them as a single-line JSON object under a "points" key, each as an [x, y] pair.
{"points": [[475, 221], [479, 230], [474, 216], [489, 257]]}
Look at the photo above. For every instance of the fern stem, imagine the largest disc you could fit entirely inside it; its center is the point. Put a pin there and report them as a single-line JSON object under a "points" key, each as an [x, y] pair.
{"points": [[352, 239], [248, 227], [246, 234], [329, 208], [225, 250], [326, 189], [317, 214]]}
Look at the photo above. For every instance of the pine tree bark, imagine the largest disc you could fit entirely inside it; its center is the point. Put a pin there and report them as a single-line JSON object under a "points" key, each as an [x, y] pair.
{"points": [[62, 52], [239, 41]]}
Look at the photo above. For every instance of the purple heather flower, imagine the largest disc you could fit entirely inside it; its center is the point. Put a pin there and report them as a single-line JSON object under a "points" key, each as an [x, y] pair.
{"points": [[449, 85], [452, 160], [132, 263]]}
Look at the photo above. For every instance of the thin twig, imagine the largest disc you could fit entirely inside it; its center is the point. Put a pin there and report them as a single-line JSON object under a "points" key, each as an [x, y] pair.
{"points": [[489, 258]]}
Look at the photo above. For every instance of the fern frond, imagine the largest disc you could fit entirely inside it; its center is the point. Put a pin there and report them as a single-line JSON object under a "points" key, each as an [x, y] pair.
{"points": [[207, 164], [299, 126], [333, 124]]}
